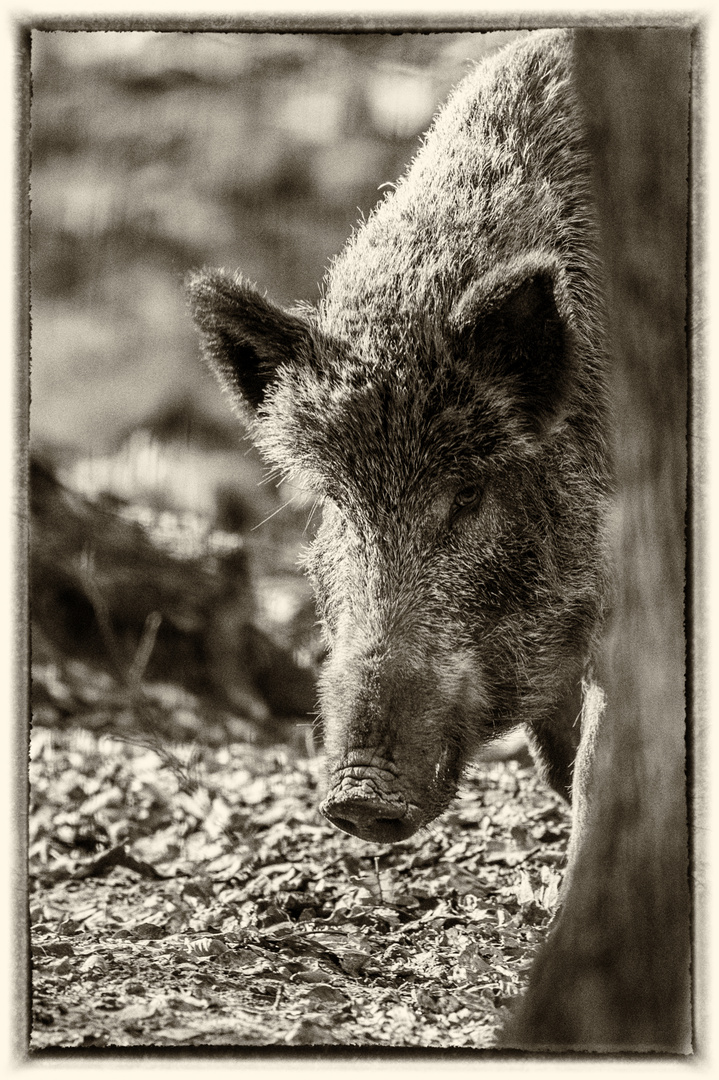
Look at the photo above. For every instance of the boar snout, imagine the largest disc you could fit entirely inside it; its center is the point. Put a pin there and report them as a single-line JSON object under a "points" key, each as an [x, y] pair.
{"points": [[369, 819], [362, 802]]}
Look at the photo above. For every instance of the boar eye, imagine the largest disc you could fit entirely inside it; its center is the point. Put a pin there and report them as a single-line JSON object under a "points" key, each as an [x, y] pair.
{"points": [[467, 496]]}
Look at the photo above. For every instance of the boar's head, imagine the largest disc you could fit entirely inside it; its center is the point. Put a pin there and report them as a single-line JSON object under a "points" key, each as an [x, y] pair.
{"points": [[453, 567]]}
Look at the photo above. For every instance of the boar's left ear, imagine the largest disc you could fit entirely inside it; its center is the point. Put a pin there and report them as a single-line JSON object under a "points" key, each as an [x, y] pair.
{"points": [[509, 323], [245, 337]]}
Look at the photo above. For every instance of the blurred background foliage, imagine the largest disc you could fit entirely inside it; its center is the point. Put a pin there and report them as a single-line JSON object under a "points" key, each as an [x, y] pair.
{"points": [[156, 152], [153, 153]]}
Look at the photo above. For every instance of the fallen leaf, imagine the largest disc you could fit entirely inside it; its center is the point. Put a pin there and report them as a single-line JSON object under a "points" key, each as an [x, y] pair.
{"points": [[207, 946], [472, 962], [96, 964], [148, 931], [308, 1033], [175, 1035], [464, 883], [60, 967], [402, 1015], [353, 963], [187, 1001], [510, 856], [140, 1010], [326, 994], [55, 948], [315, 976], [525, 892]]}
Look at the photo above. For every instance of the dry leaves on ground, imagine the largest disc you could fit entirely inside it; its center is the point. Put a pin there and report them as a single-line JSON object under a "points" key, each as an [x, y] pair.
{"points": [[197, 897]]}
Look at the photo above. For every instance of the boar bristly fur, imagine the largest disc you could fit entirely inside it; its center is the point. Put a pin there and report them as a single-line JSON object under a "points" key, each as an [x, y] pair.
{"points": [[446, 401]]}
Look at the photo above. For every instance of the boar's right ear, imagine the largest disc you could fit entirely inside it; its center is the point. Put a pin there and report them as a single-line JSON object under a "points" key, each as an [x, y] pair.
{"points": [[245, 337], [510, 325]]}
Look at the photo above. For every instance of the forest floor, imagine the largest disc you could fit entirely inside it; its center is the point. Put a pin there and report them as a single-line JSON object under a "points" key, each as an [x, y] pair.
{"points": [[184, 889], [193, 895]]}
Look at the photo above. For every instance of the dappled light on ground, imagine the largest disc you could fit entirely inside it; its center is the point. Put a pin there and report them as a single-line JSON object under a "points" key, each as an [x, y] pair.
{"points": [[197, 897]]}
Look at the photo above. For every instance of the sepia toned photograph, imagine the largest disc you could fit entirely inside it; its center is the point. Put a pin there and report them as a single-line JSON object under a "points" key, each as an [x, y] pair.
{"points": [[361, 562]]}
